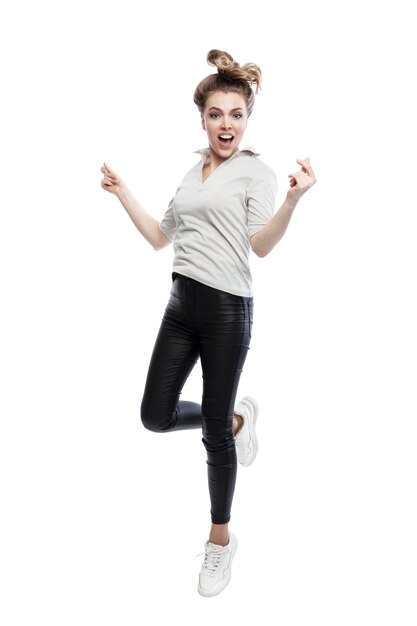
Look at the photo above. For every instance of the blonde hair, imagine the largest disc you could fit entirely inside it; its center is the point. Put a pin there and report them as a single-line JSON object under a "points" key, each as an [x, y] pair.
{"points": [[230, 77]]}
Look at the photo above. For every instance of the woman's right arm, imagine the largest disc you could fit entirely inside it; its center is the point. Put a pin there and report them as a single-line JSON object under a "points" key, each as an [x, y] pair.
{"points": [[147, 225]]}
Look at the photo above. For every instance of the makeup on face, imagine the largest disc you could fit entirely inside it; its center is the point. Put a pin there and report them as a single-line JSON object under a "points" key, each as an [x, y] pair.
{"points": [[224, 120]]}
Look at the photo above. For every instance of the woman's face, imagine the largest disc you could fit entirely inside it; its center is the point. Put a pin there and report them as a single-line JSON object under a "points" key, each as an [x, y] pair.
{"points": [[224, 119]]}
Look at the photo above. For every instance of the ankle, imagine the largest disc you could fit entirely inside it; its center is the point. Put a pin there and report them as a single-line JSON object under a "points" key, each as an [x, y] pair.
{"points": [[219, 534], [237, 423], [224, 541]]}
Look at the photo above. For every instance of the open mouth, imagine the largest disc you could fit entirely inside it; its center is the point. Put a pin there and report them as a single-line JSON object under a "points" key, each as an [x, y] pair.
{"points": [[225, 139]]}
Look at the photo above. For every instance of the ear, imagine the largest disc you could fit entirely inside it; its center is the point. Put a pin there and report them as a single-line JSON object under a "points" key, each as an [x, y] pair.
{"points": [[203, 123]]}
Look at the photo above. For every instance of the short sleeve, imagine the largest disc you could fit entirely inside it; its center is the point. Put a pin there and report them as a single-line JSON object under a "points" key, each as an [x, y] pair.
{"points": [[260, 200], [168, 224]]}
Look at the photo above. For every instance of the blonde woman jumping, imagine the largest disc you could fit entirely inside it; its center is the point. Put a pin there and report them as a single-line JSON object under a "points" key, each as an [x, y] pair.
{"points": [[223, 208]]}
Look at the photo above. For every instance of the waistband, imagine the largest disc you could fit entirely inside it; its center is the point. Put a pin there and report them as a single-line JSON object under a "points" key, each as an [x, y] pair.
{"points": [[208, 288]]}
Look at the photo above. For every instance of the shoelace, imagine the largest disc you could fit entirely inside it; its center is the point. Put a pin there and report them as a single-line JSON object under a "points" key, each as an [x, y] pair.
{"points": [[212, 560]]}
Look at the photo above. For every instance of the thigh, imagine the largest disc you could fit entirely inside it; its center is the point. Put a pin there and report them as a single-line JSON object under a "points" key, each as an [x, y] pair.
{"points": [[173, 357], [224, 343]]}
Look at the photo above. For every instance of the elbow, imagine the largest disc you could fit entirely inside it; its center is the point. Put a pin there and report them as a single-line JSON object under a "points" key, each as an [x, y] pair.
{"points": [[256, 246], [160, 242], [259, 251], [159, 246]]}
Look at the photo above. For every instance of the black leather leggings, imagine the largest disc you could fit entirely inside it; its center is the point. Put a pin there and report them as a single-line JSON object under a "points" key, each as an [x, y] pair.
{"points": [[200, 321]]}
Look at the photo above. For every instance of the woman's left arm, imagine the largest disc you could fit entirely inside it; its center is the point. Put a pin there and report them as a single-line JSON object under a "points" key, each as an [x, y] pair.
{"points": [[266, 239]]}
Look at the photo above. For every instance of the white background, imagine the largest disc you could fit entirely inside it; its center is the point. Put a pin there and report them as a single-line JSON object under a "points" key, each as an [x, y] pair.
{"points": [[102, 520]]}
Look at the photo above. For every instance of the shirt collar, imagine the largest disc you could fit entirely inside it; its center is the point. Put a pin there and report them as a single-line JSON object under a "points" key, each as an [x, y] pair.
{"points": [[205, 151]]}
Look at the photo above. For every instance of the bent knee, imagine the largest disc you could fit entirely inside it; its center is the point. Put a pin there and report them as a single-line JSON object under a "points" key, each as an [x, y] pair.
{"points": [[153, 420], [149, 422]]}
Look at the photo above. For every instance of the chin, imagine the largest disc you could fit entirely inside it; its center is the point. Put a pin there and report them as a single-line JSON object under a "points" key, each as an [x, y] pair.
{"points": [[221, 150]]}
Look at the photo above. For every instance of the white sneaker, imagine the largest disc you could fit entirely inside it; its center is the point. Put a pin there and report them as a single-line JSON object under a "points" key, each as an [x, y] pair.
{"points": [[246, 440], [216, 570]]}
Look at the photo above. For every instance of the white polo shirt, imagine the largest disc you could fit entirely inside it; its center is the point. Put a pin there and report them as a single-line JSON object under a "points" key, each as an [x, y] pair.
{"points": [[210, 223]]}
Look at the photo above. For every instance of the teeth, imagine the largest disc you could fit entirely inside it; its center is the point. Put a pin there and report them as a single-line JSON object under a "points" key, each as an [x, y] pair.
{"points": [[226, 136]]}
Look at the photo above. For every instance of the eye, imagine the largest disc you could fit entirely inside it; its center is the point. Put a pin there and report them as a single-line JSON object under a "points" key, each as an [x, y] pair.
{"points": [[213, 115], [238, 115]]}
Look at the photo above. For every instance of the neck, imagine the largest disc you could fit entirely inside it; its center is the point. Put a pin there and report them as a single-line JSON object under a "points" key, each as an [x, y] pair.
{"points": [[215, 160]]}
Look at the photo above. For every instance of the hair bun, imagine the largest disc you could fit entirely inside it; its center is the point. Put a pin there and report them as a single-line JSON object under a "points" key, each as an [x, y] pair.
{"points": [[229, 68], [230, 77], [222, 60]]}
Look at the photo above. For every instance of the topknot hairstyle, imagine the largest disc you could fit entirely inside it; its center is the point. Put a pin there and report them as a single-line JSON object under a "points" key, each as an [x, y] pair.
{"points": [[230, 77]]}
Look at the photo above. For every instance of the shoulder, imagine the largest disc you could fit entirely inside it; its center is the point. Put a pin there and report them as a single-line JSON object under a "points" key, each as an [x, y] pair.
{"points": [[252, 161], [258, 170]]}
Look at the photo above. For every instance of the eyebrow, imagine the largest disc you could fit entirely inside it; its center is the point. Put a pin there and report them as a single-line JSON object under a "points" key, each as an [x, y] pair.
{"points": [[217, 109]]}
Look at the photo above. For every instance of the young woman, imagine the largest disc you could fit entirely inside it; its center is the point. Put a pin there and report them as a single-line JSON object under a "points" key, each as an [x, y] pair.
{"points": [[223, 208]]}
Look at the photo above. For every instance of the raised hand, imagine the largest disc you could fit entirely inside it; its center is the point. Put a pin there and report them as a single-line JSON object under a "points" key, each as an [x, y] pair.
{"points": [[110, 182], [301, 181]]}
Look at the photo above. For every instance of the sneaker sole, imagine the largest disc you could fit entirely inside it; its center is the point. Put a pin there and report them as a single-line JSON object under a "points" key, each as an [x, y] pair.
{"points": [[252, 432]]}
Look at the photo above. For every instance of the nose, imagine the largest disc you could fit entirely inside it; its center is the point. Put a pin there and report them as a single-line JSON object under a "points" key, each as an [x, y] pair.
{"points": [[227, 124]]}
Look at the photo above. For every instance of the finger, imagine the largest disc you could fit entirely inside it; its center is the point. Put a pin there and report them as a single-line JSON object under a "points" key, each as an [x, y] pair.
{"points": [[305, 161], [303, 164], [306, 165]]}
